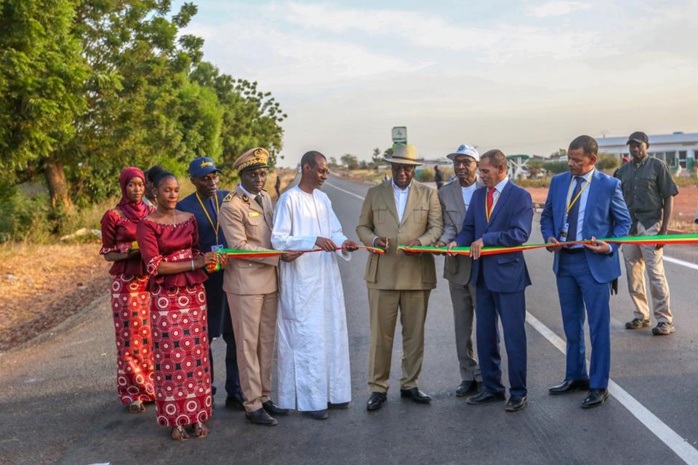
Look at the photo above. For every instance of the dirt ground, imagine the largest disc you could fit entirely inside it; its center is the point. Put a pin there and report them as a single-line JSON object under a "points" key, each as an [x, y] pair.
{"points": [[682, 218], [41, 286]]}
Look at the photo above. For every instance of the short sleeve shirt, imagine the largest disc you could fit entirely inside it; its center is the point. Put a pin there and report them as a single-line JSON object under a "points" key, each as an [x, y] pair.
{"points": [[645, 185]]}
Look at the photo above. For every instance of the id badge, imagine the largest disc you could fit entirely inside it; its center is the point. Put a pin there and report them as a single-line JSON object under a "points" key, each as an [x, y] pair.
{"points": [[563, 233], [216, 248]]}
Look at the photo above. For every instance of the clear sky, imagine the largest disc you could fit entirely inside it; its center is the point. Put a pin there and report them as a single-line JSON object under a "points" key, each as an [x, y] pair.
{"points": [[521, 76]]}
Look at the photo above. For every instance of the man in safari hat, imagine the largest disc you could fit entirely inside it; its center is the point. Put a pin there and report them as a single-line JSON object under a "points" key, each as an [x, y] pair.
{"points": [[399, 212]]}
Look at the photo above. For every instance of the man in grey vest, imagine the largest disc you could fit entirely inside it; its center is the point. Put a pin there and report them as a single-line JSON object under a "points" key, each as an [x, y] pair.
{"points": [[455, 198]]}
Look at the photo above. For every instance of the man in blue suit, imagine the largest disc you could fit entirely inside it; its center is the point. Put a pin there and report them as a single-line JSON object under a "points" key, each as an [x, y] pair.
{"points": [[205, 204], [585, 204], [500, 214]]}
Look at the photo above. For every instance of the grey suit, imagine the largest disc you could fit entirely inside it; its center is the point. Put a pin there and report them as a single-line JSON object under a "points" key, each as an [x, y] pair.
{"points": [[457, 272]]}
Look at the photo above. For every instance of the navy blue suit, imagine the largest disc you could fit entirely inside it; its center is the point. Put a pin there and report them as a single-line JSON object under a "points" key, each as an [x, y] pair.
{"points": [[583, 279], [218, 316], [501, 283]]}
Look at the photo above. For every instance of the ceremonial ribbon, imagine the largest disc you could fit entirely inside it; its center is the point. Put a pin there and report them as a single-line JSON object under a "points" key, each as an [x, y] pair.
{"points": [[494, 250], [240, 254]]}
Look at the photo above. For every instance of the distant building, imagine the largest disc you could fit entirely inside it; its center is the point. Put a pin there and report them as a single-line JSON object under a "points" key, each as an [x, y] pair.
{"points": [[677, 149]]}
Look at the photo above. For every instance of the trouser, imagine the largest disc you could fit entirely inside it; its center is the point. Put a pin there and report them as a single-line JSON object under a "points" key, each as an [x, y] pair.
{"points": [[384, 306], [577, 289], [510, 307], [254, 322], [463, 301], [638, 258]]}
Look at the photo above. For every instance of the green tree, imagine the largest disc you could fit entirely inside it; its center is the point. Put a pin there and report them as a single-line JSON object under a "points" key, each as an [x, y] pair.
{"points": [[42, 72], [607, 161], [350, 161]]}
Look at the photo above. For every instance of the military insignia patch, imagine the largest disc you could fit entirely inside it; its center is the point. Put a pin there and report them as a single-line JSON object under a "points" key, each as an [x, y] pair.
{"points": [[245, 198], [229, 197]]}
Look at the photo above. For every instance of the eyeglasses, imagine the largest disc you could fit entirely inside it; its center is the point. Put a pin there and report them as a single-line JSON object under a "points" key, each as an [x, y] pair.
{"points": [[463, 162]]}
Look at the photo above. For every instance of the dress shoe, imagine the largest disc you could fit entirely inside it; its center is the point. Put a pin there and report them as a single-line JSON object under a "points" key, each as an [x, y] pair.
{"points": [[485, 396], [376, 401], [416, 395], [272, 409], [339, 406], [515, 404], [235, 402], [595, 398], [317, 414], [467, 388], [261, 417], [569, 385]]}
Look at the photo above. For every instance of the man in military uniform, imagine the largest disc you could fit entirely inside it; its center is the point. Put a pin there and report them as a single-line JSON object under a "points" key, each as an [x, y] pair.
{"points": [[251, 284]]}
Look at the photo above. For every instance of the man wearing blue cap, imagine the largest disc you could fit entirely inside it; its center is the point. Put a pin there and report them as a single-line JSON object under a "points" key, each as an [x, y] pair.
{"points": [[204, 204]]}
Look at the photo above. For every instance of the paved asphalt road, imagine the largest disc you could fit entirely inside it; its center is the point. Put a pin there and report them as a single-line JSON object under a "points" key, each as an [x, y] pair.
{"points": [[59, 402]]}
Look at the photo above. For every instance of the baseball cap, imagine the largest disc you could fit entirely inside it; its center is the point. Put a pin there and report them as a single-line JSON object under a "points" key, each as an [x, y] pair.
{"points": [[201, 166], [464, 149], [638, 136]]}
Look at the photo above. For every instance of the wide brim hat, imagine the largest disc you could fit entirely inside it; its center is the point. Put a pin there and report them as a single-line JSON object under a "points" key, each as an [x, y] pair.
{"points": [[403, 155], [252, 159], [466, 150]]}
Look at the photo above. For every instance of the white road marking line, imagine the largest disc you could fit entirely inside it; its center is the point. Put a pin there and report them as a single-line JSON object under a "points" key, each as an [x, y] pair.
{"points": [[345, 191], [665, 434], [668, 436], [681, 262]]}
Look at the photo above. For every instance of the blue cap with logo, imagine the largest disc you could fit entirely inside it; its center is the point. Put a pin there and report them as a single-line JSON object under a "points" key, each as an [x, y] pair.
{"points": [[202, 166]]}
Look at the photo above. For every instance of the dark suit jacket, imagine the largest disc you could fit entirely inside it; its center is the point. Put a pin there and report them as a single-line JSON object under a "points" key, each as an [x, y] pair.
{"points": [[510, 225], [605, 216], [457, 268]]}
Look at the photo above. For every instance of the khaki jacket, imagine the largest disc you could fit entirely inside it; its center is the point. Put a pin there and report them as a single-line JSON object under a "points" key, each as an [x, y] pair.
{"points": [[421, 220], [247, 226]]}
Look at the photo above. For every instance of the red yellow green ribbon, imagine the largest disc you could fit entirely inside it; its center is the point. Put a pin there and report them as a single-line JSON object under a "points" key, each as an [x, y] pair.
{"points": [[636, 240]]}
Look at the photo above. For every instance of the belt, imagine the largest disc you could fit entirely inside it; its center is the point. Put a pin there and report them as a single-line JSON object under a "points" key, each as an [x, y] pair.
{"points": [[569, 251]]}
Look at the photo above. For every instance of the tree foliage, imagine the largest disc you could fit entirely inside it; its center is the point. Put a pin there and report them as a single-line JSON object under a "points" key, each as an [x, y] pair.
{"points": [[350, 161], [88, 87]]}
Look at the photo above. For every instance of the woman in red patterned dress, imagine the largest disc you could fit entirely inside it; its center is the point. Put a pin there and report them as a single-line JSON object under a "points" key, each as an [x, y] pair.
{"points": [[169, 244], [130, 299]]}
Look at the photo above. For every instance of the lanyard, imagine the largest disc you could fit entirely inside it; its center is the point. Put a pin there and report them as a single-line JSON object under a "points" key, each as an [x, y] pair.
{"points": [[579, 194], [218, 223]]}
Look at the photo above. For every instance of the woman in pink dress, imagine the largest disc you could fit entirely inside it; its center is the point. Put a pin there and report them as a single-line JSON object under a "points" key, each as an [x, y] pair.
{"points": [[130, 299], [169, 244]]}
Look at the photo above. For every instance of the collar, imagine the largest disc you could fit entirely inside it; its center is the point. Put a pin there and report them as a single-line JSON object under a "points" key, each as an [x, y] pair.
{"points": [[588, 175], [249, 194], [499, 187], [406, 189]]}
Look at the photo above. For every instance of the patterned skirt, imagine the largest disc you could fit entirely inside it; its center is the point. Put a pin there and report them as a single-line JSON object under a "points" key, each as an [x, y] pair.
{"points": [[130, 303], [182, 370]]}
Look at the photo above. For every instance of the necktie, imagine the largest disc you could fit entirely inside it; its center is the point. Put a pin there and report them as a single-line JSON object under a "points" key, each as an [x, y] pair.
{"points": [[258, 199], [490, 201], [573, 214]]}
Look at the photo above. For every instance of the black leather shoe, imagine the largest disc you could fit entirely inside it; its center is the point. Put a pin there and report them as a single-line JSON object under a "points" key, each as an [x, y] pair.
{"points": [[272, 409], [235, 402], [339, 406], [261, 417], [416, 395], [376, 401], [595, 398], [568, 386], [317, 414], [485, 396], [467, 388], [515, 404]]}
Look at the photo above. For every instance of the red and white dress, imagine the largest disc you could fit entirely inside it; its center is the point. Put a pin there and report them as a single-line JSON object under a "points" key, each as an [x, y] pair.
{"points": [[130, 305], [178, 318]]}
